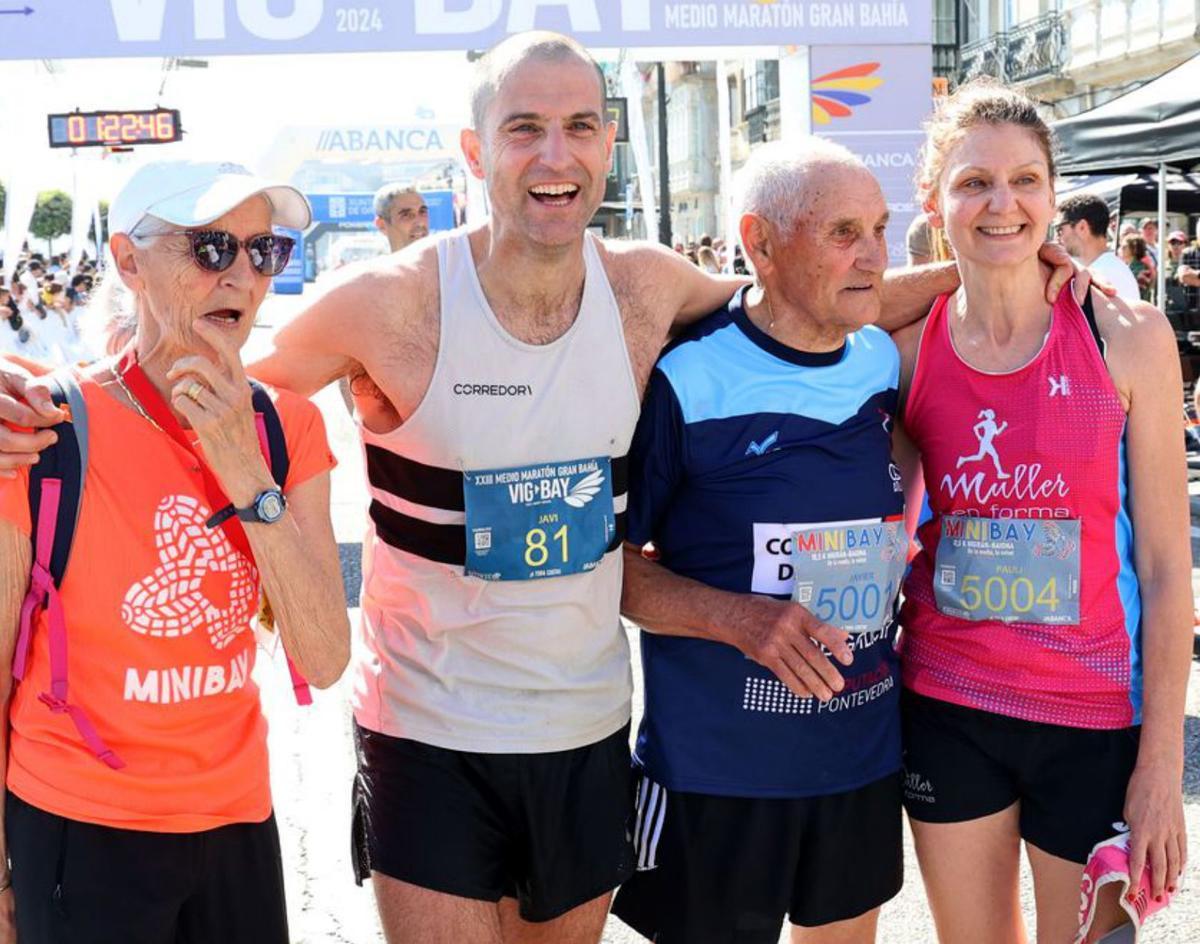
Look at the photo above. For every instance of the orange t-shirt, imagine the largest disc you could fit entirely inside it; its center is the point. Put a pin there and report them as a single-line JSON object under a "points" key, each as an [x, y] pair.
{"points": [[160, 650]]}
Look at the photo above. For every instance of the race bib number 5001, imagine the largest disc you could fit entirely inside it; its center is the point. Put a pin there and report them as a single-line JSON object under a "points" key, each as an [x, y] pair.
{"points": [[849, 575], [1012, 570], [534, 521]]}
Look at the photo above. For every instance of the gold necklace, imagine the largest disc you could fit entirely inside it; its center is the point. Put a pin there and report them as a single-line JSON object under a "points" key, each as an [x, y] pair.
{"points": [[137, 405], [770, 313]]}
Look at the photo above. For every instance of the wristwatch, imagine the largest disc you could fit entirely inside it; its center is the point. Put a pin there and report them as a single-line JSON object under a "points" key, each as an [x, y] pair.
{"points": [[268, 507]]}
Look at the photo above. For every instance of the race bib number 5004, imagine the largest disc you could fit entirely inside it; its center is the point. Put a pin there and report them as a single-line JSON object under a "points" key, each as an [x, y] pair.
{"points": [[534, 521], [1012, 570]]}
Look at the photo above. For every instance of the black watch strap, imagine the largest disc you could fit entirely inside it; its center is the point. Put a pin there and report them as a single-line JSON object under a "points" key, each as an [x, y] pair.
{"points": [[221, 516]]}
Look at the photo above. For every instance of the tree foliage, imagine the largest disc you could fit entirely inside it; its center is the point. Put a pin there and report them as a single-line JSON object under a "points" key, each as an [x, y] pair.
{"points": [[103, 221], [52, 216]]}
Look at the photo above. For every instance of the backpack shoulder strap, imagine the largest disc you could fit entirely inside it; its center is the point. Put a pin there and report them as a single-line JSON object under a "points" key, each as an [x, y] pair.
{"points": [[55, 501], [274, 446], [56, 481], [270, 430], [1089, 312]]}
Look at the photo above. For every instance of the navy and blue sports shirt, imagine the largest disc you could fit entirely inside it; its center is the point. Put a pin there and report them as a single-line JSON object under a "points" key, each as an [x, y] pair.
{"points": [[742, 439]]}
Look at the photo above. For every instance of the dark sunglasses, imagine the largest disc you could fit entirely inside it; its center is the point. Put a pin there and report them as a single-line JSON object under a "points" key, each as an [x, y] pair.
{"points": [[214, 250]]}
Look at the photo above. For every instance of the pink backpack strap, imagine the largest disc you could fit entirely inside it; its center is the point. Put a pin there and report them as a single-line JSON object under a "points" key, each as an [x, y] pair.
{"points": [[41, 583], [43, 594]]}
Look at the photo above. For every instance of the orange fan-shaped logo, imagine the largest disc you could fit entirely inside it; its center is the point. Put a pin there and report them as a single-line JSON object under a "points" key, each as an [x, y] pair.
{"points": [[836, 94]]}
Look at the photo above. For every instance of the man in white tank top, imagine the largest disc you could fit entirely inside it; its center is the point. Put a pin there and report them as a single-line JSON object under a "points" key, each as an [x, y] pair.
{"points": [[492, 690]]}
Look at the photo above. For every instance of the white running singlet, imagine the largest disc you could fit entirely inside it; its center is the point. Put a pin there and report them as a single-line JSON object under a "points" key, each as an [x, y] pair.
{"points": [[526, 662]]}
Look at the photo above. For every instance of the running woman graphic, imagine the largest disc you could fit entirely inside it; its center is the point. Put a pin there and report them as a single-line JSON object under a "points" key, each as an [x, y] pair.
{"points": [[985, 431]]}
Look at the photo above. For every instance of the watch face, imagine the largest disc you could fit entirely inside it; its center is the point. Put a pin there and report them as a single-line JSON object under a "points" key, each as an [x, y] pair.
{"points": [[270, 506]]}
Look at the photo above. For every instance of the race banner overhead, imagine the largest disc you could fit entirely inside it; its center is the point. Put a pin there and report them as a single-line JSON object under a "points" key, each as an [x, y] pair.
{"points": [[74, 29]]}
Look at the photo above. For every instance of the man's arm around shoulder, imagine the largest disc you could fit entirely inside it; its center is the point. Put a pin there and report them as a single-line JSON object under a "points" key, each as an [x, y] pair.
{"points": [[687, 293], [340, 326]]}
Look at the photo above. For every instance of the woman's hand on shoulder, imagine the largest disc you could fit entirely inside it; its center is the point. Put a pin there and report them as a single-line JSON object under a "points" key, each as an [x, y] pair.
{"points": [[1063, 268]]}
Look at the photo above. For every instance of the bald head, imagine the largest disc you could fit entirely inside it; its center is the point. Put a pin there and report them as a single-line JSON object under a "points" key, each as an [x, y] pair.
{"points": [[499, 62], [780, 182]]}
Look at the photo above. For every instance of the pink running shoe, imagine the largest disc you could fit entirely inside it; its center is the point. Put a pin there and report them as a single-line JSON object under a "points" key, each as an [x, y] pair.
{"points": [[1109, 862]]}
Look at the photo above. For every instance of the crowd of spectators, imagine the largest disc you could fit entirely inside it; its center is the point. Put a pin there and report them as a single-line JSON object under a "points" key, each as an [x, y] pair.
{"points": [[41, 306], [711, 255]]}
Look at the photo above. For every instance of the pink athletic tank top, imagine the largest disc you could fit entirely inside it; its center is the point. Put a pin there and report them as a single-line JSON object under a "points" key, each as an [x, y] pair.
{"points": [[1032, 608]]}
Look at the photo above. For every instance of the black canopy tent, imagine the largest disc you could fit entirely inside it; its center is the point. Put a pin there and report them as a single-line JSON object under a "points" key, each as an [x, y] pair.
{"points": [[1157, 123], [1154, 128], [1134, 193]]}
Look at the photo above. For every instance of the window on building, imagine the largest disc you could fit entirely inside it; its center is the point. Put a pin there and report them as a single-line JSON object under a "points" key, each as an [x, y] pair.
{"points": [[974, 25], [677, 124], [945, 23], [762, 83], [984, 18]]}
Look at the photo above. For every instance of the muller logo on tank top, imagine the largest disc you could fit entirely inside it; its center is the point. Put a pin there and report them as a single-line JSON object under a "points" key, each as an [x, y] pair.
{"points": [[987, 478]]}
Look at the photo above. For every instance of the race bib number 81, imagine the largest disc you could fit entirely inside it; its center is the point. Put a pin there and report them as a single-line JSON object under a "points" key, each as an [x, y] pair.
{"points": [[547, 520], [1006, 569]]}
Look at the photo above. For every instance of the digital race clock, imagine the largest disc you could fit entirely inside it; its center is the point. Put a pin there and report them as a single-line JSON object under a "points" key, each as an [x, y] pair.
{"points": [[114, 128]]}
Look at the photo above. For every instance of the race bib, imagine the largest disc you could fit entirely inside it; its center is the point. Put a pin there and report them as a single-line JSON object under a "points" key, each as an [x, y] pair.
{"points": [[849, 575], [534, 521], [1012, 570]]}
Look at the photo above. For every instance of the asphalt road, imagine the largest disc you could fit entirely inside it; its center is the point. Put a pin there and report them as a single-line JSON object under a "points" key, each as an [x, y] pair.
{"points": [[312, 765]]}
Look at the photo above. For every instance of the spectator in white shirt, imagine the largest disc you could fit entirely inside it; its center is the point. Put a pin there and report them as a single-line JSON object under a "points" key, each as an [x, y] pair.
{"points": [[1082, 228]]}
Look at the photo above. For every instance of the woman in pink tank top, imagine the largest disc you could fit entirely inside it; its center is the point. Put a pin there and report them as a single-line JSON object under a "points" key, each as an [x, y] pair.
{"points": [[1046, 625]]}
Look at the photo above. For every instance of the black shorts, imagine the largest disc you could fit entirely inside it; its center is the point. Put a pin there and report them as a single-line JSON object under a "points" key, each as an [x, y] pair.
{"points": [[962, 763], [551, 830], [79, 883], [728, 869]]}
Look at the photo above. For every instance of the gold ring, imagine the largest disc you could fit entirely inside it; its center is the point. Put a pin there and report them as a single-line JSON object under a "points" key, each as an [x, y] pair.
{"points": [[193, 392]]}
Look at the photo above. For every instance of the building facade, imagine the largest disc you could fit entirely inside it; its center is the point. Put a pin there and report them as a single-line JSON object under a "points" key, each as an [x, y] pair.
{"points": [[692, 133], [1075, 54]]}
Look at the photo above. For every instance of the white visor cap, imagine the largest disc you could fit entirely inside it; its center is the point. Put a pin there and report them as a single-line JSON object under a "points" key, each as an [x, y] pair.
{"points": [[194, 193]]}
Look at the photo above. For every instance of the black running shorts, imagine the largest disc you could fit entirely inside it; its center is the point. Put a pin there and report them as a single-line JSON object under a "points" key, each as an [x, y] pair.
{"points": [[551, 830], [962, 763], [718, 870], [87, 884]]}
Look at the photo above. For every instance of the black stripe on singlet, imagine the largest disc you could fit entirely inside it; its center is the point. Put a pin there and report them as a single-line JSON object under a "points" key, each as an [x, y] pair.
{"points": [[437, 487], [414, 481], [443, 543]]}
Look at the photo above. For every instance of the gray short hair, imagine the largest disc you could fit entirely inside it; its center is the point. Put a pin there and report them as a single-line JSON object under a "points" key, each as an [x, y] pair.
{"points": [[389, 192], [775, 182], [110, 318], [149, 228], [499, 62]]}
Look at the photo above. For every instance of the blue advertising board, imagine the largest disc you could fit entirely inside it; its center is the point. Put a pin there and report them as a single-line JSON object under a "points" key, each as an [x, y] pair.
{"points": [[874, 101], [342, 207], [66, 29], [360, 208], [441, 209], [291, 280]]}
